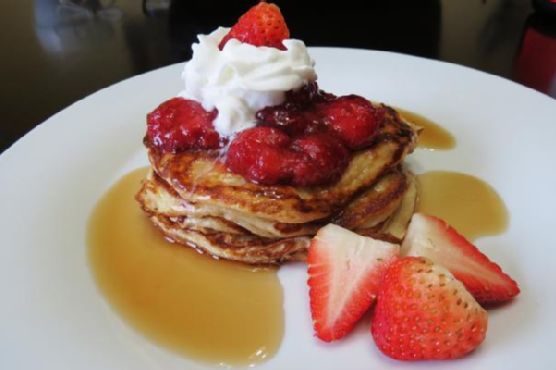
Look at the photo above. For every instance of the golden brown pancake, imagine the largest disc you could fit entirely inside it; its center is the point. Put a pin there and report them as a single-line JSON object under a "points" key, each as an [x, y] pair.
{"points": [[157, 197], [370, 208], [201, 176], [255, 249], [245, 248], [374, 205], [235, 238], [394, 227], [194, 200]]}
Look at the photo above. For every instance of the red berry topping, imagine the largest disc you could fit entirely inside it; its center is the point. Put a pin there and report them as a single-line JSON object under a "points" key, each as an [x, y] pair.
{"points": [[305, 141], [298, 114], [267, 155], [179, 124], [322, 129], [321, 159], [258, 154], [353, 118], [306, 96], [293, 121], [262, 25]]}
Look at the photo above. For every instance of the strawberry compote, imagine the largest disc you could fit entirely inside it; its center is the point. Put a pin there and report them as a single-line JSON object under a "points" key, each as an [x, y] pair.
{"points": [[268, 155], [180, 124], [307, 140]]}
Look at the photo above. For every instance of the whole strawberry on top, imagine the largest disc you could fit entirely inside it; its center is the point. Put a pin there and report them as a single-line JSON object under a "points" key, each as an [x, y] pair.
{"points": [[262, 25]]}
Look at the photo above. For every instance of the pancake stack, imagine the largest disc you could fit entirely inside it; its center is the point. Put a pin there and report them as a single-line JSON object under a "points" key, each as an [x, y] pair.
{"points": [[196, 201]]}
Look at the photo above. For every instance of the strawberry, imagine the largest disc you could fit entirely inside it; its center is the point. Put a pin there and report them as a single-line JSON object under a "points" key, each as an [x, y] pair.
{"points": [[267, 155], [322, 158], [424, 313], [262, 25], [352, 118], [258, 154], [344, 274], [180, 124], [433, 238]]}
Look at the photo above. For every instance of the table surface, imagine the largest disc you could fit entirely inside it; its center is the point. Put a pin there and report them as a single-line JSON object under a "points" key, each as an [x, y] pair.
{"points": [[55, 52]]}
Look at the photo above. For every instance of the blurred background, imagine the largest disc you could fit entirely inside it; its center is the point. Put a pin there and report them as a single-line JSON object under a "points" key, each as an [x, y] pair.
{"points": [[55, 52]]}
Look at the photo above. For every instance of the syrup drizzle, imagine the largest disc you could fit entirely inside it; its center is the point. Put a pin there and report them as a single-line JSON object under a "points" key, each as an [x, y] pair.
{"points": [[432, 135], [466, 202], [215, 311]]}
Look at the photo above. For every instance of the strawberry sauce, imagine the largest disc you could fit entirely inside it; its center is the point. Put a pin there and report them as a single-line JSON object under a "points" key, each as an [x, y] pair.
{"points": [[307, 140]]}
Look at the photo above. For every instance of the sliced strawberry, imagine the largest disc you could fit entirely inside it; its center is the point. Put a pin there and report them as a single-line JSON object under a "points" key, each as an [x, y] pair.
{"points": [[262, 25], [424, 313], [344, 274], [430, 237]]}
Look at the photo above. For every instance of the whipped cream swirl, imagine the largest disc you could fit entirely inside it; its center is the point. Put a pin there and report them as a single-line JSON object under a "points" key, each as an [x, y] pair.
{"points": [[241, 78]]}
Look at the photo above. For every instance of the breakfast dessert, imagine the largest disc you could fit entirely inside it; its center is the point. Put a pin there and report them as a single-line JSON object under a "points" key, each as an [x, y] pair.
{"points": [[253, 162], [253, 158]]}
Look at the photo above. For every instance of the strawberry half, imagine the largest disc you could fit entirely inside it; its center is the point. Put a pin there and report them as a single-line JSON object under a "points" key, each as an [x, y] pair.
{"points": [[262, 25], [344, 274], [424, 313], [431, 237]]}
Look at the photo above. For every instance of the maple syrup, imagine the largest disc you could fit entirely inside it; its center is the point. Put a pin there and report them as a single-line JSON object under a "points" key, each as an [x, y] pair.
{"points": [[466, 202], [432, 135], [215, 311]]}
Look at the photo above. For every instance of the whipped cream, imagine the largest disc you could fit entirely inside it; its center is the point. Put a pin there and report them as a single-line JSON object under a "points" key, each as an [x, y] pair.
{"points": [[241, 78]]}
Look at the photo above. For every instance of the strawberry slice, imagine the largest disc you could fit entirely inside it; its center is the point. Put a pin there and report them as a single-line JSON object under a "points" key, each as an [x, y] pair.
{"points": [[424, 313], [433, 238], [262, 25], [344, 274]]}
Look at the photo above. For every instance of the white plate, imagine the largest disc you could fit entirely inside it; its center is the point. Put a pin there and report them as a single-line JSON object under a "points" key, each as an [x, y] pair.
{"points": [[53, 317]]}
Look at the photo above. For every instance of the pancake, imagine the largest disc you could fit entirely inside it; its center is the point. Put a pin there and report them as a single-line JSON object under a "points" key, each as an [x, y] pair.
{"points": [[157, 197], [370, 208], [379, 211], [244, 248], [394, 227], [194, 200], [254, 249], [201, 176], [376, 203]]}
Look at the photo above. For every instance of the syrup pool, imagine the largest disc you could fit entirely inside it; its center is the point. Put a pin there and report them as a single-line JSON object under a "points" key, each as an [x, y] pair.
{"points": [[466, 202], [214, 311], [432, 136]]}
